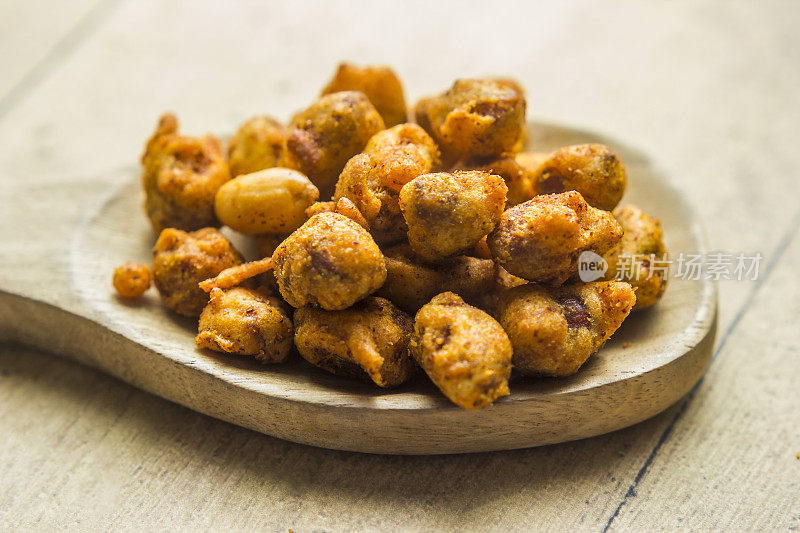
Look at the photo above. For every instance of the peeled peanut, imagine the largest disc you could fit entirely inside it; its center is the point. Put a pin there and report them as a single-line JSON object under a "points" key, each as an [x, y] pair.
{"points": [[269, 201]]}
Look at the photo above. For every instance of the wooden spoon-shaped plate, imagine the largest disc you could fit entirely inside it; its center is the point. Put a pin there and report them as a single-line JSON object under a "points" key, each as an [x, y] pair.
{"points": [[651, 362]]}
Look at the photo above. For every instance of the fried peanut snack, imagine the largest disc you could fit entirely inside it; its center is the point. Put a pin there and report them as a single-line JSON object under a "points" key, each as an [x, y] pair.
{"points": [[463, 350], [182, 260], [447, 213], [403, 153], [520, 171], [330, 262], [591, 169], [325, 136], [379, 83], [268, 201], [411, 284], [258, 144], [181, 175], [541, 239], [131, 280], [476, 118], [347, 208], [373, 179], [643, 244], [555, 330], [368, 341], [517, 86], [245, 322]]}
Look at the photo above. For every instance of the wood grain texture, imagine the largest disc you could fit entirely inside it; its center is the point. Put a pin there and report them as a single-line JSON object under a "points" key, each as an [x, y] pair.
{"points": [[708, 90], [739, 436], [653, 360], [93, 453], [39, 33]]}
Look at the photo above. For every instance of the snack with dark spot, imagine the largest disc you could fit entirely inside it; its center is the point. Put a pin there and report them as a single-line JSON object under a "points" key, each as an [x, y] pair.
{"points": [[245, 322], [476, 118], [541, 239], [330, 262], [373, 179], [182, 260], [463, 350], [448, 213], [591, 169], [555, 330], [410, 283], [368, 341], [642, 249], [325, 136], [379, 83], [181, 176]]}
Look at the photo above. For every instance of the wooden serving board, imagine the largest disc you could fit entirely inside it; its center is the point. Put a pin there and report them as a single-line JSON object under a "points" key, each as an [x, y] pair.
{"points": [[63, 239]]}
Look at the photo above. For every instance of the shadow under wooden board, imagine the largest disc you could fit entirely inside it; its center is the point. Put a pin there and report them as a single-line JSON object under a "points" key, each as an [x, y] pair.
{"points": [[651, 362]]}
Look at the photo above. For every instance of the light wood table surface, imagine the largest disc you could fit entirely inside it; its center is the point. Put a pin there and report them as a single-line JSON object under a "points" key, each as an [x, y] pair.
{"points": [[711, 90]]}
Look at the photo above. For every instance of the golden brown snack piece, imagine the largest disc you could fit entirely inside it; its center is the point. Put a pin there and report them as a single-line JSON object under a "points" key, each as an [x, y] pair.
{"points": [[591, 169], [245, 322], [463, 350], [330, 262], [476, 118], [320, 207], [447, 213], [411, 284], [368, 341], [235, 275], [379, 83], [520, 171], [258, 144], [517, 86], [541, 239], [632, 260], [402, 153], [181, 175], [347, 208], [325, 136], [131, 280], [554, 331], [373, 179], [182, 260], [268, 201]]}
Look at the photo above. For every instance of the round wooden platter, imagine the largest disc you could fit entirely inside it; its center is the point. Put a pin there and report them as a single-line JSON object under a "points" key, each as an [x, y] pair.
{"points": [[67, 306]]}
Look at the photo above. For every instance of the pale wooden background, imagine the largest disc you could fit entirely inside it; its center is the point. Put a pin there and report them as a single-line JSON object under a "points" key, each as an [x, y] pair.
{"points": [[711, 90]]}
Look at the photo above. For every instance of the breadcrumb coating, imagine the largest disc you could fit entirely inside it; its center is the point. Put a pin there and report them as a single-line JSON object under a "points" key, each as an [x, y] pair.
{"points": [[541, 239], [464, 351], [368, 341], [555, 330]]}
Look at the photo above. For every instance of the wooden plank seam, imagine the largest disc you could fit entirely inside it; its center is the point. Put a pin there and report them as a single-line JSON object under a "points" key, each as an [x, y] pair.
{"points": [[777, 255]]}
